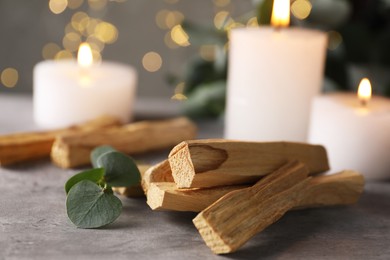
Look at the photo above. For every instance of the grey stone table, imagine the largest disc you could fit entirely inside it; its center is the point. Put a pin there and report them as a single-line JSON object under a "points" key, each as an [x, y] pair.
{"points": [[34, 225]]}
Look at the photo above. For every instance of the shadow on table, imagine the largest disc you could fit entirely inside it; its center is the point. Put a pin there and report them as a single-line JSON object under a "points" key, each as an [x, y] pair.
{"points": [[27, 166], [280, 236]]}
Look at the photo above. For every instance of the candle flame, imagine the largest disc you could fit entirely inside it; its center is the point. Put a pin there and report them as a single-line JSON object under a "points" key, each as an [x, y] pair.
{"points": [[364, 91], [281, 13], [84, 55]]}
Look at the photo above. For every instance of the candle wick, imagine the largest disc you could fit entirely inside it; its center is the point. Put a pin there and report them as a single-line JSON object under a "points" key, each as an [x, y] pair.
{"points": [[278, 28], [363, 102]]}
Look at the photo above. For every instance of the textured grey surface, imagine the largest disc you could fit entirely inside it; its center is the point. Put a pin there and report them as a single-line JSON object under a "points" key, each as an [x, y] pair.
{"points": [[34, 225]]}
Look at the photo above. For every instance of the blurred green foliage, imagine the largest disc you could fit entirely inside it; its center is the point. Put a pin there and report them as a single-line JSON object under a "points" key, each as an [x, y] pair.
{"points": [[359, 31]]}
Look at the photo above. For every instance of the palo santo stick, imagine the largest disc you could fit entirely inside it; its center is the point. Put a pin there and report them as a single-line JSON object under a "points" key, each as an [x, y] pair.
{"points": [[35, 145], [74, 150], [218, 162], [160, 172], [165, 196], [236, 217], [342, 188]]}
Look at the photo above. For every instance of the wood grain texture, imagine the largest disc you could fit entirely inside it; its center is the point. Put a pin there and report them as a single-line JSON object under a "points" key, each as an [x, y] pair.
{"points": [[218, 162], [232, 220], [27, 146], [341, 188], [160, 172], [166, 196], [74, 150]]}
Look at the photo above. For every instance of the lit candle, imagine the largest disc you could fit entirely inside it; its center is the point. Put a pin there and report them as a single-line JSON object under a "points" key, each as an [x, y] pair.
{"points": [[69, 92], [355, 131], [273, 74]]}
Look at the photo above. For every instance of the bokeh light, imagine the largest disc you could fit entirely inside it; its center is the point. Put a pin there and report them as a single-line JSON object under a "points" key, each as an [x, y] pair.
{"points": [[179, 36], [71, 41], [63, 55], [74, 4], [106, 32], [76, 20], [58, 6], [50, 50], [179, 90], [152, 61], [221, 3], [91, 26], [169, 42], [222, 19], [9, 77], [95, 43], [97, 4], [301, 9], [166, 19]]}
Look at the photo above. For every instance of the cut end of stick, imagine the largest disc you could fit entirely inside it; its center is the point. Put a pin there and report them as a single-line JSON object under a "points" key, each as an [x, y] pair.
{"points": [[180, 161], [160, 172], [211, 238], [155, 197]]}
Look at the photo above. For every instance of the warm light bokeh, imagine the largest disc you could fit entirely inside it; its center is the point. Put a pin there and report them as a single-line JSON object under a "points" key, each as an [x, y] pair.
{"points": [[281, 13], [301, 9], [84, 55], [58, 6], [364, 91], [152, 61], [9, 77], [179, 36]]}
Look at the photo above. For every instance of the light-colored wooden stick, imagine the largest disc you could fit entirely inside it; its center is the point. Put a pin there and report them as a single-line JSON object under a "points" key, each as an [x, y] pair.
{"points": [[236, 217], [133, 191], [20, 147], [74, 150], [341, 188], [160, 172], [166, 196], [218, 162]]}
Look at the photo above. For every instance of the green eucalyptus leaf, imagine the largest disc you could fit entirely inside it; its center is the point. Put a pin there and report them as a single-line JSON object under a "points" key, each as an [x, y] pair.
{"points": [[99, 151], [89, 206], [94, 175], [120, 169]]}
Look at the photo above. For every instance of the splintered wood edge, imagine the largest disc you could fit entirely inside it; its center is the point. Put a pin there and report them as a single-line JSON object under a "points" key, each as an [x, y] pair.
{"points": [[183, 170], [156, 173], [166, 196]]}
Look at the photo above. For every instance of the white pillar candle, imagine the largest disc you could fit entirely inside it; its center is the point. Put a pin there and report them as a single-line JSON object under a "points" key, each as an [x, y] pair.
{"points": [[356, 137], [66, 93], [273, 75]]}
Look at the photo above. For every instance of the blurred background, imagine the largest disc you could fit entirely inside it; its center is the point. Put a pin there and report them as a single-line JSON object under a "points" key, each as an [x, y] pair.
{"points": [[129, 31], [179, 47]]}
